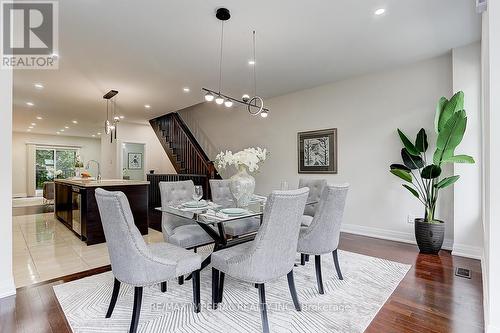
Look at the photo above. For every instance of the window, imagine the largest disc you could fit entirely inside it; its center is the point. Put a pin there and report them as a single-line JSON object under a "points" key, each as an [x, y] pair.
{"points": [[53, 163]]}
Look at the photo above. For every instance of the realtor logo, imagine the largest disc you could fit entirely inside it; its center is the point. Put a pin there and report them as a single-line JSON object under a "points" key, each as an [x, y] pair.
{"points": [[29, 37]]}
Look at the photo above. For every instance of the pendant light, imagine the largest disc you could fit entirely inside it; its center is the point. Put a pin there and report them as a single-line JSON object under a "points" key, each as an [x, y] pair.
{"points": [[255, 104]]}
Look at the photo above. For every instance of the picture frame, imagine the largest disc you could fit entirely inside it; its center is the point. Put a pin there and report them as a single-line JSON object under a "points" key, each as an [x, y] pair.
{"points": [[317, 151], [134, 161]]}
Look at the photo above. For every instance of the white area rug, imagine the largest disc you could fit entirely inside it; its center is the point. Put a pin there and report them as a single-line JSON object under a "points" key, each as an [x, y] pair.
{"points": [[347, 306]]}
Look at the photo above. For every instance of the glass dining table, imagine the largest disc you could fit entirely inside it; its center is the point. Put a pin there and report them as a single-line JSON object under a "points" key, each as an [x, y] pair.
{"points": [[211, 217]]}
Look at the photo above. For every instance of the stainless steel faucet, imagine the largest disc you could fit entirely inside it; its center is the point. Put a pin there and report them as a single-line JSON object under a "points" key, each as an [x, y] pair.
{"points": [[98, 168]]}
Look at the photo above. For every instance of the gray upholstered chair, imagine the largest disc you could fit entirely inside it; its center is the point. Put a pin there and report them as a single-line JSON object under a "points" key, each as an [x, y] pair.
{"points": [[136, 263], [322, 236], [221, 194], [270, 256], [315, 189], [183, 232]]}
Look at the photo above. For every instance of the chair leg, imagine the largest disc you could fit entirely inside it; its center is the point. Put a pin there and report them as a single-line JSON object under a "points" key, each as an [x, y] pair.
{"points": [[307, 258], [195, 250], [181, 280], [302, 259], [293, 291], [263, 308], [337, 266], [220, 287], [137, 309], [256, 285], [215, 287], [196, 290], [164, 286], [319, 278], [114, 297]]}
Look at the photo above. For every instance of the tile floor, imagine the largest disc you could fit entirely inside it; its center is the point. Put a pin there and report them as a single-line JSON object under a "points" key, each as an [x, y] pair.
{"points": [[43, 249]]}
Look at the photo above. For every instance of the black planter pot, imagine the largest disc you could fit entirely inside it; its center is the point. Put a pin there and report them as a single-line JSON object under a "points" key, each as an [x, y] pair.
{"points": [[429, 236]]}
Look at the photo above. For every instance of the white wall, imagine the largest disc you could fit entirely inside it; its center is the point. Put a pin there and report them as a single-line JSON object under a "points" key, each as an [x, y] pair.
{"points": [[491, 157], [134, 174], [155, 156], [366, 110], [7, 286], [468, 228], [90, 149]]}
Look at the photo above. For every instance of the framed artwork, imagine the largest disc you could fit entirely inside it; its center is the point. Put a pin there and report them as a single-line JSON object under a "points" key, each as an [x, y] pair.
{"points": [[317, 151], [134, 161]]}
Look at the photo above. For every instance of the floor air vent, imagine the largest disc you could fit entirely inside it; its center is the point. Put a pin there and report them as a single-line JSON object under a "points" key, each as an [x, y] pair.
{"points": [[463, 272]]}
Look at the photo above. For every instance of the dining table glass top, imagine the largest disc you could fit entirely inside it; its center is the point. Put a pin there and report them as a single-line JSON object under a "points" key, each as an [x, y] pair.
{"points": [[209, 212]]}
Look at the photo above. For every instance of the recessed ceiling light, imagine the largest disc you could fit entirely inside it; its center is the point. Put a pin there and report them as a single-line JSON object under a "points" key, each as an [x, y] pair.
{"points": [[380, 11], [251, 62], [75, 122], [186, 89], [66, 127], [33, 124], [61, 130], [98, 133], [28, 130], [58, 133], [122, 117], [147, 106], [39, 118], [30, 127], [38, 85], [93, 135], [29, 103]]}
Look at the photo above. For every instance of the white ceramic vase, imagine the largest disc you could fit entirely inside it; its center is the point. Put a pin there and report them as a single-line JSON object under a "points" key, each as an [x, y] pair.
{"points": [[242, 187]]}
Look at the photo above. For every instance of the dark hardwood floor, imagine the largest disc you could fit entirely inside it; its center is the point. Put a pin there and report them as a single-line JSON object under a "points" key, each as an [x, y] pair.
{"points": [[429, 299]]}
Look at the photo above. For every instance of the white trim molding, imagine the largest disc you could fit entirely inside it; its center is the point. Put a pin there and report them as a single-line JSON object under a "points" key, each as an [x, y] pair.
{"points": [[397, 236], [468, 251], [7, 288]]}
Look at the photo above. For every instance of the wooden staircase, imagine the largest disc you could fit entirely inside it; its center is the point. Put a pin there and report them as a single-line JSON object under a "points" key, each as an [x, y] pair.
{"points": [[184, 151]]}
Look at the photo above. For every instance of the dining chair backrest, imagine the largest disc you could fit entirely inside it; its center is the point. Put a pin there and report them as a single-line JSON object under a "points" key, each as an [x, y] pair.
{"points": [[315, 189], [275, 245], [128, 252], [220, 190], [323, 233], [174, 193]]}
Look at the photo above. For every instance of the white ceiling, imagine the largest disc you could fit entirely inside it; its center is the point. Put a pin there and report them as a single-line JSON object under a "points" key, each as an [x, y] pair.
{"points": [[150, 50]]}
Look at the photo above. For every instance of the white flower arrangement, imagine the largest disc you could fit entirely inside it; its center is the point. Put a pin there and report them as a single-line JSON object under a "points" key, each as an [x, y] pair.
{"points": [[250, 158]]}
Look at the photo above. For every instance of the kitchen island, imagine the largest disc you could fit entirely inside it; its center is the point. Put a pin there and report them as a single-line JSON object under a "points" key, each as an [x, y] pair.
{"points": [[76, 207]]}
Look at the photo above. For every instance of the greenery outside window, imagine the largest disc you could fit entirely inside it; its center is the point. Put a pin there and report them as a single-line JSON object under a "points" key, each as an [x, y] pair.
{"points": [[53, 163]]}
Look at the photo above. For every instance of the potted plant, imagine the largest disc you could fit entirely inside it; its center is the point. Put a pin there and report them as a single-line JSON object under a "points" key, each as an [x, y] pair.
{"points": [[422, 176]]}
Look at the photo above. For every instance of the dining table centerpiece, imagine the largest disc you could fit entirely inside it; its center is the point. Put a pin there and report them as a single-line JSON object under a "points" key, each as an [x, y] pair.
{"points": [[242, 183]]}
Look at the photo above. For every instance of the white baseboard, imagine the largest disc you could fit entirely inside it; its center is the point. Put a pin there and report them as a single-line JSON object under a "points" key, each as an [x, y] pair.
{"points": [[7, 288], [463, 250], [397, 236], [19, 195]]}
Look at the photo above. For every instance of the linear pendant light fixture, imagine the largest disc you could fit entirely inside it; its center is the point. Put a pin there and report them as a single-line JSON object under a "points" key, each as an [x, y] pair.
{"points": [[255, 104], [111, 125]]}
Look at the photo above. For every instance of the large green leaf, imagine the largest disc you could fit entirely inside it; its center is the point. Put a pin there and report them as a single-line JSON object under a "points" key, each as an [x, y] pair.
{"points": [[455, 104], [431, 171], [450, 137], [412, 190], [459, 159], [412, 162], [400, 166], [421, 142], [404, 175], [408, 145], [445, 182], [439, 109]]}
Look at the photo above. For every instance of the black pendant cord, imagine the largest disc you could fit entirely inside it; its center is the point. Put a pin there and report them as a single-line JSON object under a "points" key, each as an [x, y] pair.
{"points": [[254, 68], [221, 53]]}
